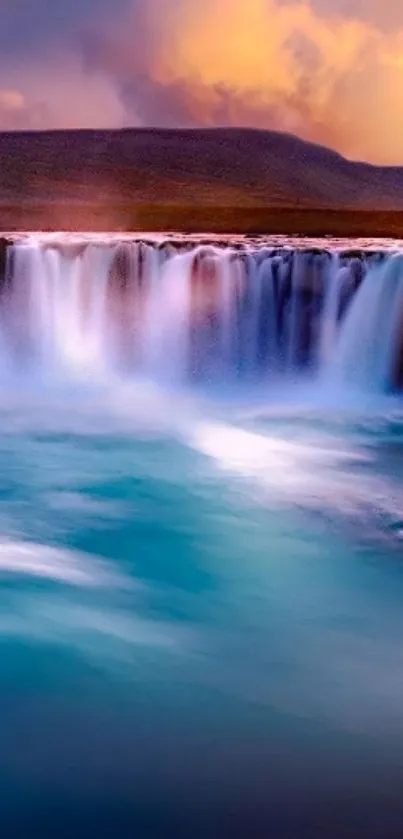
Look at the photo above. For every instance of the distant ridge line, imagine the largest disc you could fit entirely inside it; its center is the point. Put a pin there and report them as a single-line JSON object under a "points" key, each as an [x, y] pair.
{"points": [[227, 170]]}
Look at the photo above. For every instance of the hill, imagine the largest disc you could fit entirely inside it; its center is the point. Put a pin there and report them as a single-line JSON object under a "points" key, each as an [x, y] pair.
{"points": [[139, 169]]}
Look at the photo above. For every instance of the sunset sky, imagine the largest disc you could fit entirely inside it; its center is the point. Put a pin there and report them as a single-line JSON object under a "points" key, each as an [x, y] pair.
{"points": [[328, 70]]}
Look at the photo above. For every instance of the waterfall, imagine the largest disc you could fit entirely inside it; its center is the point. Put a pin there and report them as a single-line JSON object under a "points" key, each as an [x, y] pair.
{"points": [[367, 353], [183, 312]]}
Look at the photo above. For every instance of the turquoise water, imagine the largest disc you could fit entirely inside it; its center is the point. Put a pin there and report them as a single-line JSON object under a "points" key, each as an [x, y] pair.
{"points": [[201, 617]]}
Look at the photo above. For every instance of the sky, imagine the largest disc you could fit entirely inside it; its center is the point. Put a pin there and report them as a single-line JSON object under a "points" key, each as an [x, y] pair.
{"points": [[330, 71]]}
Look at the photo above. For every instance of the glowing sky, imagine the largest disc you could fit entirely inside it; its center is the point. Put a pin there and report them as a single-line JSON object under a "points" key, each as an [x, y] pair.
{"points": [[328, 70]]}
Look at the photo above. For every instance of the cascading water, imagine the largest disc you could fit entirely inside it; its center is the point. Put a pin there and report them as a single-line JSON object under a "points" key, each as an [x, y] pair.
{"points": [[201, 313], [369, 345]]}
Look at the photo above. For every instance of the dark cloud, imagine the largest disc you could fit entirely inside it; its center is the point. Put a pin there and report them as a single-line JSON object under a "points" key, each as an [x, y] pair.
{"points": [[29, 26], [183, 105]]}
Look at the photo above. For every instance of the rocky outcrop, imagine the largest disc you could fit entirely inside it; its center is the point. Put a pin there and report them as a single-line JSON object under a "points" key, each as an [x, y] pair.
{"points": [[5, 251]]}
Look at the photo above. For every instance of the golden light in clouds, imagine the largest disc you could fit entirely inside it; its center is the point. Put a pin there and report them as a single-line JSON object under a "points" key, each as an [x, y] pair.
{"points": [[295, 65], [275, 53], [269, 64]]}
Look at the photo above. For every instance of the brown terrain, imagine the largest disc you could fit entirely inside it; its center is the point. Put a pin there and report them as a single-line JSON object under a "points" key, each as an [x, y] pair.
{"points": [[218, 181]]}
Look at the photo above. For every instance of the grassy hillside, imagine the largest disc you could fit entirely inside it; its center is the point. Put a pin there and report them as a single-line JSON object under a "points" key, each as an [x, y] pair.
{"points": [[217, 180], [219, 166]]}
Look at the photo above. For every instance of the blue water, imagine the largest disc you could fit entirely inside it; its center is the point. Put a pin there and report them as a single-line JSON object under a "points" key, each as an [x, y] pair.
{"points": [[201, 614]]}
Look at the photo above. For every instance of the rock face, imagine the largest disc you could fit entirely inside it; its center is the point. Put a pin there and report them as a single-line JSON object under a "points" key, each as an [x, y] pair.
{"points": [[397, 370], [5, 250]]}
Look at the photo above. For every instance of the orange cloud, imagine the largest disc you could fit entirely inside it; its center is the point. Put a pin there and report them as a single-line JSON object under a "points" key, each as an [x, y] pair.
{"points": [[331, 78]]}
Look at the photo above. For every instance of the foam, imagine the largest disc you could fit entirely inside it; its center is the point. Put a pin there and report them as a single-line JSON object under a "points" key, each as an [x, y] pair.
{"points": [[58, 565], [324, 475]]}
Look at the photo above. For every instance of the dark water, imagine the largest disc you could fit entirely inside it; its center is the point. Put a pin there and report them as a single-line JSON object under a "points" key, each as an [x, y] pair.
{"points": [[201, 615]]}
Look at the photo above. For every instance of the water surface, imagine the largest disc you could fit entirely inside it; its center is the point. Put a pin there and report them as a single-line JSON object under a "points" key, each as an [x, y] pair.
{"points": [[201, 618]]}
